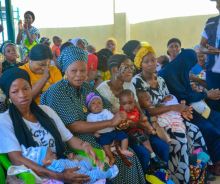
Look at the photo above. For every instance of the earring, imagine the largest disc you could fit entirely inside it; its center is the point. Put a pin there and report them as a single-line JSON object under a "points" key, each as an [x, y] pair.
{"points": [[18, 56], [65, 77], [10, 100]]}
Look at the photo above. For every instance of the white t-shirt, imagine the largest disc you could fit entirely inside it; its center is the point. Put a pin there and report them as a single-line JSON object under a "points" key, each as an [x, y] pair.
{"points": [[106, 92], [102, 116], [217, 42], [10, 143]]}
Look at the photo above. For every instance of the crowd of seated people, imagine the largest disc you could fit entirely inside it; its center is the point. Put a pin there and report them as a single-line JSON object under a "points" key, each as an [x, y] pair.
{"points": [[74, 96]]}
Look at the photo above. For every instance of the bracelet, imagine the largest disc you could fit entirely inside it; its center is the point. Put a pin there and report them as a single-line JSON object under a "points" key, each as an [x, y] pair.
{"points": [[85, 144]]}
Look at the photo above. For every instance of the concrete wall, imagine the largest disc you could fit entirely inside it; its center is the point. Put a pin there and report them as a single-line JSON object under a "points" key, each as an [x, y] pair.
{"points": [[157, 33]]}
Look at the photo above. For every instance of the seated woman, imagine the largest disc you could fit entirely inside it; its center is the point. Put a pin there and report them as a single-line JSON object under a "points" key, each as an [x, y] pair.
{"points": [[103, 56], [3, 101], [111, 44], [67, 99], [122, 69], [42, 74], [8, 49], [176, 75], [26, 123], [173, 48], [182, 143]]}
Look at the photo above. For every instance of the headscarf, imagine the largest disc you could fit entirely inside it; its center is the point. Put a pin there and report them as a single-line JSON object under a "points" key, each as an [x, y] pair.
{"points": [[75, 40], [30, 13], [145, 43], [40, 52], [196, 47], [69, 55], [5, 44], [90, 97], [129, 47], [45, 40], [86, 41], [181, 66], [173, 40], [21, 130], [141, 53], [114, 40]]}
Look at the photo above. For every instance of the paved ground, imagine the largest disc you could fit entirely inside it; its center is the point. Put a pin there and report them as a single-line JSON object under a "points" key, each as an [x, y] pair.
{"points": [[216, 181]]}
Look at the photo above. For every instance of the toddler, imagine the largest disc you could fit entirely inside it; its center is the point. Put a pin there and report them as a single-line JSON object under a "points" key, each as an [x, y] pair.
{"points": [[110, 134], [127, 103], [91, 49], [46, 158], [57, 41]]}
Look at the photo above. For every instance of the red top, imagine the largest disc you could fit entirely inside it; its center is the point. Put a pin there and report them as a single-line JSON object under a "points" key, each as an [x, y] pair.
{"points": [[55, 48], [135, 113], [92, 61]]}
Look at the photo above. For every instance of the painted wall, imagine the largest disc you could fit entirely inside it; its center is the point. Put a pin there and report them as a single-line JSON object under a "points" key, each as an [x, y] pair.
{"points": [[157, 32]]}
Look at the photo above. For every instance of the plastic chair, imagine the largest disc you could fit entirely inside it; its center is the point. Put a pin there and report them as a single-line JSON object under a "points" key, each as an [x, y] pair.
{"points": [[28, 177]]}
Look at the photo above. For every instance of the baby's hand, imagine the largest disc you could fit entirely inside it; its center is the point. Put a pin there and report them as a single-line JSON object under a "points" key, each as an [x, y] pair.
{"points": [[71, 157], [46, 163], [147, 124], [96, 134]]}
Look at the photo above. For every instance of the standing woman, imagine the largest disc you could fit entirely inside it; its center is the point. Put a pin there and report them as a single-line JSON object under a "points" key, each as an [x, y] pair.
{"points": [[111, 44], [42, 74], [8, 49], [67, 99], [173, 48], [130, 49], [28, 35]]}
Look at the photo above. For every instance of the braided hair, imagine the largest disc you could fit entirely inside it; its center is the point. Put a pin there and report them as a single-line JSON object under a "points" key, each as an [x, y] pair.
{"points": [[116, 60], [103, 57]]}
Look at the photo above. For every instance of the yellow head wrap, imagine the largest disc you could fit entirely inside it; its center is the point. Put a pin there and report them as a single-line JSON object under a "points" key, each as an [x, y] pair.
{"points": [[141, 53], [114, 40], [145, 43]]}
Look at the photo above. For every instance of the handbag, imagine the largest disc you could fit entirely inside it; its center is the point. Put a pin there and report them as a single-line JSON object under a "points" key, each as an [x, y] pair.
{"points": [[198, 175]]}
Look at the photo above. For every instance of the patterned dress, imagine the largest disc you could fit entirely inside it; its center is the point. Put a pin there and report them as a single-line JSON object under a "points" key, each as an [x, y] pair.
{"points": [[182, 144], [6, 65], [71, 108]]}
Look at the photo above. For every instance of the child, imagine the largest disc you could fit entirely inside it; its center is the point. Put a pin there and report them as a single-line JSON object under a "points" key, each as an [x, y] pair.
{"points": [[57, 43], [46, 158], [108, 135], [127, 103], [91, 49]]}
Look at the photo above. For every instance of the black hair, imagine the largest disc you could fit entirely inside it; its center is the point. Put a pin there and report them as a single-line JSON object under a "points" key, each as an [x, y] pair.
{"points": [[103, 56], [40, 52], [165, 61], [125, 92], [116, 60], [55, 37], [30, 13], [66, 44], [139, 91]]}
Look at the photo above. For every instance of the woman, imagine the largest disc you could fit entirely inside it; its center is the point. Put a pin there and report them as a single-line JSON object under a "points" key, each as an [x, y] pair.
{"points": [[111, 44], [182, 143], [8, 49], [177, 80], [3, 102], [67, 98], [103, 56], [173, 48], [28, 35], [42, 74], [122, 70], [130, 49], [26, 123], [46, 41]]}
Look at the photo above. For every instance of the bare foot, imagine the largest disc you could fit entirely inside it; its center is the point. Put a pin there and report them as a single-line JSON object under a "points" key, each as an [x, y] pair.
{"points": [[127, 153], [112, 161]]}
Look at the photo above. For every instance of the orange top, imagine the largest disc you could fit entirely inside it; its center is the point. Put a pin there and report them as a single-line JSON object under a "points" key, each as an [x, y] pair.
{"points": [[55, 48], [55, 76]]}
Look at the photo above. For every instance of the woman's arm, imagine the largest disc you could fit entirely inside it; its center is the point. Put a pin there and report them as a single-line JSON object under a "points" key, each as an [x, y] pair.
{"points": [[67, 175], [193, 78]]}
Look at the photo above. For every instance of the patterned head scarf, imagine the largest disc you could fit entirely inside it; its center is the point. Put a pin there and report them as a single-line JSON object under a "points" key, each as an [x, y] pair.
{"points": [[114, 40], [86, 41], [45, 40], [75, 40], [5, 44], [141, 53], [71, 54]]}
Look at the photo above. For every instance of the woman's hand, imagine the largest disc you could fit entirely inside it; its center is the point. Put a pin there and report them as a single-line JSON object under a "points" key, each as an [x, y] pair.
{"points": [[25, 25], [69, 177], [213, 94], [20, 25], [118, 118], [214, 50], [91, 153], [46, 74], [92, 74], [193, 77]]}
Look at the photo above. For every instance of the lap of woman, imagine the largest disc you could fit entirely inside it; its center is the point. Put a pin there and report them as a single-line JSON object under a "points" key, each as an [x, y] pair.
{"points": [[126, 175]]}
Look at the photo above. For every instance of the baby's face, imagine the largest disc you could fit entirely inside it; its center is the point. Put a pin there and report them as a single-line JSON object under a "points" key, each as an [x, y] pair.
{"points": [[144, 100], [168, 98], [96, 105], [127, 103], [50, 155]]}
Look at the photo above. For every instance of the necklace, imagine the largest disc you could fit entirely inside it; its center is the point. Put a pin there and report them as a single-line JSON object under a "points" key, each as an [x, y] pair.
{"points": [[84, 107]]}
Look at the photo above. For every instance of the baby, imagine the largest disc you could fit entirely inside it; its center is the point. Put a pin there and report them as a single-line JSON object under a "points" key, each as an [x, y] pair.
{"points": [[110, 134], [46, 158], [91, 49], [127, 103]]}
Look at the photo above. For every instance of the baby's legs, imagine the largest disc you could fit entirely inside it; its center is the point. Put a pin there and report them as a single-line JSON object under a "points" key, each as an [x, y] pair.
{"points": [[109, 154], [124, 147]]}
